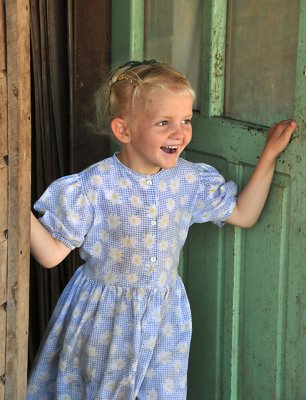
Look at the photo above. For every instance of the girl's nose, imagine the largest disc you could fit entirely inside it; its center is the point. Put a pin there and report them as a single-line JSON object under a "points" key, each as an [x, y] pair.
{"points": [[178, 131]]}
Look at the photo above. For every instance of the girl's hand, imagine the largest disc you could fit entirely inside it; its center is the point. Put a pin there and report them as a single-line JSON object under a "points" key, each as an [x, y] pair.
{"points": [[251, 200], [278, 138]]}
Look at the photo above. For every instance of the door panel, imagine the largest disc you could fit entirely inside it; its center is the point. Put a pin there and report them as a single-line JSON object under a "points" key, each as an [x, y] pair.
{"points": [[259, 290], [173, 35], [237, 285], [261, 60], [204, 277]]}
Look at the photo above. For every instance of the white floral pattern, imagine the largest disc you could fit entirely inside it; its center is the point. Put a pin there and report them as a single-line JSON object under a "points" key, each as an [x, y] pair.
{"points": [[122, 326]]}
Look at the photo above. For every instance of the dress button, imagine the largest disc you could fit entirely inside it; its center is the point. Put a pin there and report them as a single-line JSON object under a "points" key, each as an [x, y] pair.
{"points": [[153, 259], [149, 182], [153, 222]]}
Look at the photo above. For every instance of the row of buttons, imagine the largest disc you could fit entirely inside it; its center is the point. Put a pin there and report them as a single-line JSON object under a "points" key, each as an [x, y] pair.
{"points": [[153, 222]]}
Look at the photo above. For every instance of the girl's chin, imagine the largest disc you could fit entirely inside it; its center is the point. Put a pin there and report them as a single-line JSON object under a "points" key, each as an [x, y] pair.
{"points": [[169, 164]]}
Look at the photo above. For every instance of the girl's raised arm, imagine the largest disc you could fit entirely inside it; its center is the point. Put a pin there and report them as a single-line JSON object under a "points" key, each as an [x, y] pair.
{"points": [[47, 250], [251, 200]]}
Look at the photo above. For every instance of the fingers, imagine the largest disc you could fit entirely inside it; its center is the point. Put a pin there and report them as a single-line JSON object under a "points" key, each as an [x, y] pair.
{"points": [[289, 124], [284, 124], [279, 137], [289, 128], [283, 128]]}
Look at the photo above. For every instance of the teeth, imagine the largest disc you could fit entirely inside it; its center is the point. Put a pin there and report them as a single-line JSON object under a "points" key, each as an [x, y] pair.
{"points": [[170, 149]]}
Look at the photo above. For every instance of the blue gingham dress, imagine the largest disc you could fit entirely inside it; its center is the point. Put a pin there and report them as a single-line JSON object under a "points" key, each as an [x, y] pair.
{"points": [[122, 327]]}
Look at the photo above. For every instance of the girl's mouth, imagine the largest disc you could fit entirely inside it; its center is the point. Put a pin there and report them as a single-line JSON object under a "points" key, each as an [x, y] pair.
{"points": [[169, 149]]}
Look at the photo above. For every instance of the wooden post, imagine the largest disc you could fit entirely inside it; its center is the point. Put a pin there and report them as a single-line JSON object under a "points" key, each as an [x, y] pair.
{"points": [[3, 199], [19, 139]]}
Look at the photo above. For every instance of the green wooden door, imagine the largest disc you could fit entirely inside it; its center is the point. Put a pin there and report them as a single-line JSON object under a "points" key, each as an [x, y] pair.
{"points": [[247, 288]]}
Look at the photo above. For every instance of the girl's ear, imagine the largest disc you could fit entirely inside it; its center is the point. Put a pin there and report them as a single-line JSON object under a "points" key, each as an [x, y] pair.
{"points": [[120, 130]]}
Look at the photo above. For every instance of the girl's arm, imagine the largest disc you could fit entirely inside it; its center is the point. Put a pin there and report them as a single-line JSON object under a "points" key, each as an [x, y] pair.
{"points": [[251, 200], [47, 250]]}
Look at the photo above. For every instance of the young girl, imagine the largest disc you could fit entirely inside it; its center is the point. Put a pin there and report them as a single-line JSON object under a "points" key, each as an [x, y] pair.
{"points": [[122, 327]]}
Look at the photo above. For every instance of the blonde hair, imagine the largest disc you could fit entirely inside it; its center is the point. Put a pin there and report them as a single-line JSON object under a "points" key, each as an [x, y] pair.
{"points": [[119, 93]]}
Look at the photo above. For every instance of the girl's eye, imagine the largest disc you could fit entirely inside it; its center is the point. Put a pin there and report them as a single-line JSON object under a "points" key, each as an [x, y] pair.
{"points": [[187, 122], [162, 123]]}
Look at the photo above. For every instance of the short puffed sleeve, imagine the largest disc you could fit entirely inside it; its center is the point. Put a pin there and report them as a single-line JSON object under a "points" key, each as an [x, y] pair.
{"points": [[65, 211], [216, 199]]}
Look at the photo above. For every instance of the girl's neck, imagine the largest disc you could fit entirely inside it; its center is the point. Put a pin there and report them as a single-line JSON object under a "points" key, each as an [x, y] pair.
{"points": [[124, 158]]}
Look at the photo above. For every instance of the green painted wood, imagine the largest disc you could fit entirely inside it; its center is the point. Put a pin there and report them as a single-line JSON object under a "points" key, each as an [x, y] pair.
{"points": [[127, 35], [247, 288], [127, 30], [213, 66], [261, 60], [261, 307], [204, 265], [295, 343]]}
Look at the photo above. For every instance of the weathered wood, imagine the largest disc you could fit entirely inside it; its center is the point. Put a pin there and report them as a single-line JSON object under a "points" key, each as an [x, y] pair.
{"points": [[3, 202], [3, 89], [2, 349], [19, 135], [3, 199]]}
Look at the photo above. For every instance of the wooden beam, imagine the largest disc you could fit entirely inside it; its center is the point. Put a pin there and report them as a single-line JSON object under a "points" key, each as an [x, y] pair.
{"points": [[19, 139]]}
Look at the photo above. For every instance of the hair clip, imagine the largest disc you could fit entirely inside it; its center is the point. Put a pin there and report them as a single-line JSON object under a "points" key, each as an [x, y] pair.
{"points": [[132, 79], [132, 64]]}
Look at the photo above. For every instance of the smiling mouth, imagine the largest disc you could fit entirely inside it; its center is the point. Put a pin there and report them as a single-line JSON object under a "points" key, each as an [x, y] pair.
{"points": [[169, 149]]}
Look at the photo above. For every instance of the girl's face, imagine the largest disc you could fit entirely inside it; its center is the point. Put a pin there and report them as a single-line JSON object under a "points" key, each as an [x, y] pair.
{"points": [[160, 131]]}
